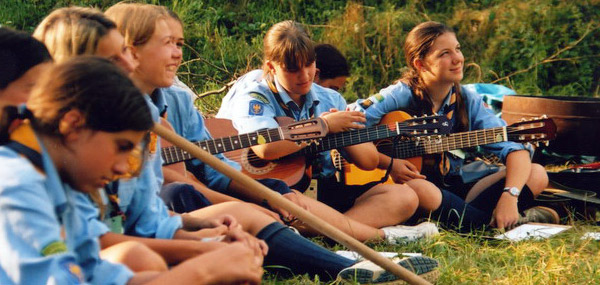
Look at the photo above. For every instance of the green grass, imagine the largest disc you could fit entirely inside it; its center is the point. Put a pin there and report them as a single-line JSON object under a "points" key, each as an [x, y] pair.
{"points": [[563, 259], [547, 47]]}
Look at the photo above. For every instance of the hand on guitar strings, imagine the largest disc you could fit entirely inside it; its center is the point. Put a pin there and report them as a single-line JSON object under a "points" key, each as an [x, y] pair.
{"points": [[403, 171], [341, 121]]}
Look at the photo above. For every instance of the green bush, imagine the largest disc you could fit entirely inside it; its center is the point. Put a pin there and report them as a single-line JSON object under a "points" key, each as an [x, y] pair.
{"points": [[546, 47]]}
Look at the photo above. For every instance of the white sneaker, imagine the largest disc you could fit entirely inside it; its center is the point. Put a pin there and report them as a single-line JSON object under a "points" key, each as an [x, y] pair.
{"points": [[368, 272], [401, 234]]}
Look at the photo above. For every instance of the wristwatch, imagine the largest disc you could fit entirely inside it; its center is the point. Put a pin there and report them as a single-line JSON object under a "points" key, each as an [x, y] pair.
{"points": [[513, 191]]}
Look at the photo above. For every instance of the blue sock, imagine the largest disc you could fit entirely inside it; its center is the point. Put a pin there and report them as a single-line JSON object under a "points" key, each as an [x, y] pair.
{"points": [[299, 255], [454, 213]]}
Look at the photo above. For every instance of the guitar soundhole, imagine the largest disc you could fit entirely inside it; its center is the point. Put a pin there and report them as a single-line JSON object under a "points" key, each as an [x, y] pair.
{"points": [[255, 165], [255, 161]]}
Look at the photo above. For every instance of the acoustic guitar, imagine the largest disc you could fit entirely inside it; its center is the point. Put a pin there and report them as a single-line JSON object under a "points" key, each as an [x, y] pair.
{"points": [[302, 131], [293, 170], [417, 149]]}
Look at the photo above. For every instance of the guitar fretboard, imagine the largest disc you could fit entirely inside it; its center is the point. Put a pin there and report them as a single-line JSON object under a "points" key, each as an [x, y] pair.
{"points": [[350, 138], [173, 154], [450, 142]]}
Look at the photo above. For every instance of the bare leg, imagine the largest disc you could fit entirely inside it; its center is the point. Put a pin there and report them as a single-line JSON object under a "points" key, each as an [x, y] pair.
{"points": [[537, 182], [352, 227], [134, 255], [429, 195], [251, 219], [384, 205]]}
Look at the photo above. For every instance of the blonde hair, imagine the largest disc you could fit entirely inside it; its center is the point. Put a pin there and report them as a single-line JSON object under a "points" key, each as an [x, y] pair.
{"points": [[288, 44], [136, 21], [72, 31]]}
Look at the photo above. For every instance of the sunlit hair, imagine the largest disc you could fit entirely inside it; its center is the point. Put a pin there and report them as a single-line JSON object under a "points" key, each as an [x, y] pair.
{"points": [[417, 45], [101, 91], [72, 31], [136, 21], [288, 44]]}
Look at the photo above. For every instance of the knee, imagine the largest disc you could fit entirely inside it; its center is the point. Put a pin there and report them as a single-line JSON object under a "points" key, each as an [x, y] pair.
{"points": [[138, 257], [538, 179], [403, 198], [429, 196]]}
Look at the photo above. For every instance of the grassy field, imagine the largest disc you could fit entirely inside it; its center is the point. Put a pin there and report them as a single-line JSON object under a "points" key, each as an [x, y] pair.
{"points": [[547, 47], [563, 259]]}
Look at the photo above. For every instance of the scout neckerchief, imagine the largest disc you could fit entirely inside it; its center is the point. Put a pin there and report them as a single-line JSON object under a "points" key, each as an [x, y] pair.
{"points": [[316, 165], [23, 142], [444, 165], [285, 107]]}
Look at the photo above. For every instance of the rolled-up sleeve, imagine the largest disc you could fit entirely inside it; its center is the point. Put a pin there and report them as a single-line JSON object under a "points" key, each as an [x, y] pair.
{"points": [[483, 118]]}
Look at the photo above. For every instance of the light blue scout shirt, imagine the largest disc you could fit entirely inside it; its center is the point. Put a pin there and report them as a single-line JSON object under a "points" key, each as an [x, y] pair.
{"points": [[34, 209], [146, 214], [188, 123], [255, 108], [400, 97], [240, 85]]}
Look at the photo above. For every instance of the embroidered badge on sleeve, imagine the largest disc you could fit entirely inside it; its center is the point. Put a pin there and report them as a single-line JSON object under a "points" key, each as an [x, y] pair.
{"points": [[259, 97], [256, 108], [54, 248]]}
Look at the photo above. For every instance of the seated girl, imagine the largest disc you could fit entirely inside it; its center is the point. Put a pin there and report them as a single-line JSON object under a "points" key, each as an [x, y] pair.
{"points": [[432, 86], [85, 117]]}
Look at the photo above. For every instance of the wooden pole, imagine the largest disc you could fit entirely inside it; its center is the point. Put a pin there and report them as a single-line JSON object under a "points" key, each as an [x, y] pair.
{"points": [[275, 199]]}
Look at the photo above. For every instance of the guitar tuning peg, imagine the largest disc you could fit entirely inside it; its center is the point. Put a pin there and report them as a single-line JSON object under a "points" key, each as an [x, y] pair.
{"points": [[424, 131], [547, 143], [537, 144], [544, 116]]}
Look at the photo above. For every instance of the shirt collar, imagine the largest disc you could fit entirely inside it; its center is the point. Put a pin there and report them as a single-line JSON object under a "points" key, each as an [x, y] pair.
{"points": [[446, 103], [310, 98], [158, 98]]}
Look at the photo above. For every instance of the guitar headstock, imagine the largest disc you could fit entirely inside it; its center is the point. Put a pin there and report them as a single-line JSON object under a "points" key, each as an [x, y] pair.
{"points": [[307, 130], [426, 125], [533, 130]]}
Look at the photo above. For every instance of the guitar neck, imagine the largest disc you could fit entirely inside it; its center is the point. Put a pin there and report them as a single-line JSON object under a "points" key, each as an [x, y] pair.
{"points": [[440, 144], [173, 154], [353, 137]]}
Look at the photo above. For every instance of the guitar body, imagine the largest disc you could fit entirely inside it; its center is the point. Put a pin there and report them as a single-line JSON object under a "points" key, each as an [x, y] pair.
{"points": [[289, 169], [353, 175]]}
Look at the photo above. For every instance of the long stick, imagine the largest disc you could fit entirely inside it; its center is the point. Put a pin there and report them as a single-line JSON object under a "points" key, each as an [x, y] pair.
{"points": [[275, 199]]}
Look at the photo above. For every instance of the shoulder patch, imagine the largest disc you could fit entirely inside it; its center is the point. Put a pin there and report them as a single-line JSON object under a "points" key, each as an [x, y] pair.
{"points": [[378, 97], [259, 97], [73, 271], [256, 108], [54, 248], [372, 100]]}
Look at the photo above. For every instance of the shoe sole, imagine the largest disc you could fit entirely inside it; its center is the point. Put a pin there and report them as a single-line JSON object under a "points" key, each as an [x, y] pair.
{"points": [[425, 267], [553, 213]]}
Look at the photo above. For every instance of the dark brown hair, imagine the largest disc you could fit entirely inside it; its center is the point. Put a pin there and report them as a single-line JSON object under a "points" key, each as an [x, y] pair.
{"points": [[288, 44], [106, 97], [416, 46]]}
